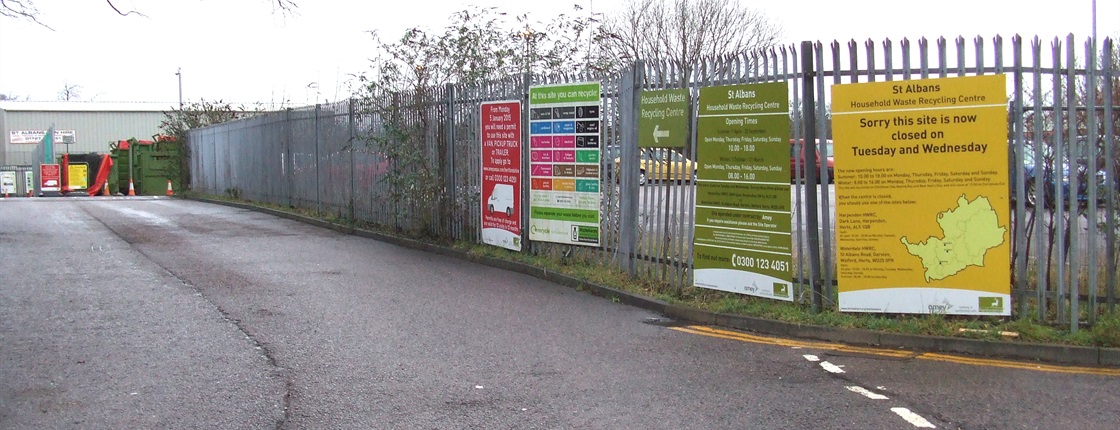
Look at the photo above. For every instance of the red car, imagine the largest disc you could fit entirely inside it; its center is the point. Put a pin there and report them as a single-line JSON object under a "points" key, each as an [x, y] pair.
{"points": [[797, 159]]}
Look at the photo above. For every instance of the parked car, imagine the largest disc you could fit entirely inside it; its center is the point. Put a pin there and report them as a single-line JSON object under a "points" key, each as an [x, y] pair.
{"points": [[1045, 174], [797, 159], [660, 164]]}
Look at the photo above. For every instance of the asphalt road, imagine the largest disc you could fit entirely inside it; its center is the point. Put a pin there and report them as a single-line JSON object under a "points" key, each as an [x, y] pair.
{"points": [[160, 313]]}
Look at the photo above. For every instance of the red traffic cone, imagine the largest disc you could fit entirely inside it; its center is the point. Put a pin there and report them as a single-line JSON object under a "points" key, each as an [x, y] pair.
{"points": [[169, 192], [131, 189]]}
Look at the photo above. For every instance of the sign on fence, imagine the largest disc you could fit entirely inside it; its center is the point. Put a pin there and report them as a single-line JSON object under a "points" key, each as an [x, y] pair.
{"points": [[922, 210], [663, 118], [564, 175], [742, 234], [50, 177], [7, 183], [501, 174], [29, 181]]}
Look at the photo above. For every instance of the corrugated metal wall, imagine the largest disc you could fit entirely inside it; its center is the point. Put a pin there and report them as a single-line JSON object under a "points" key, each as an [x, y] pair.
{"points": [[93, 130]]}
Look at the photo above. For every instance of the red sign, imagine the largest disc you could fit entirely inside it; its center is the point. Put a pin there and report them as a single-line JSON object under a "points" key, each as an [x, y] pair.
{"points": [[50, 177], [501, 174]]}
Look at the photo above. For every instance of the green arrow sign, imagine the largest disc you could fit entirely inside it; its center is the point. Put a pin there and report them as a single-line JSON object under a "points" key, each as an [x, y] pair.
{"points": [[664, 118]]}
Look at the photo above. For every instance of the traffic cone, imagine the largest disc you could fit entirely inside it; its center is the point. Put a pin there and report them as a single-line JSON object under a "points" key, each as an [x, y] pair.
{"points": [[105, 189], [131, 189], [169, 192]]}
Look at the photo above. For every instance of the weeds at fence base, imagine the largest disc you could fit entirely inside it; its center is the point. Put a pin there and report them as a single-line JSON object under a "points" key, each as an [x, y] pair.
{"points": [[1106, 332]]}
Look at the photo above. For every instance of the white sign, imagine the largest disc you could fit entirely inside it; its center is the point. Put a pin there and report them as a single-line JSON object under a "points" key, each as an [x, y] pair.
{"points": [[7, 183], [36, 136]]}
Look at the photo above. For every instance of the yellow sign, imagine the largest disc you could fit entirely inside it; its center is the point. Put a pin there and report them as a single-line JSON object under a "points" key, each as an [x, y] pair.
{"points": [[922, 212], [77, 176]]}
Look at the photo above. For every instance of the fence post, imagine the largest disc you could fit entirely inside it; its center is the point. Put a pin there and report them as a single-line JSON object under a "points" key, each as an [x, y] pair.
{"points": [[809, 108], [1019, 150], [1110, 167], [451, 188], [318, 171], [1074, 216], [1091, 167], [352, 141], [288, 164], [526, 245], [629, 190]]}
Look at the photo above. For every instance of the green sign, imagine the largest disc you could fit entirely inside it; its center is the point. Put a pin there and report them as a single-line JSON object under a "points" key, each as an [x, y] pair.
{"points": [[564, 171], [743, 225], [991, 305], [663, 120], [574, 93]]}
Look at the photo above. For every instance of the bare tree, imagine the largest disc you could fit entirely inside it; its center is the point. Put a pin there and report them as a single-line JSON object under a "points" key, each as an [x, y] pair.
{"points": [[685, 31], [26, 10], [20, 9], [70, 92]]}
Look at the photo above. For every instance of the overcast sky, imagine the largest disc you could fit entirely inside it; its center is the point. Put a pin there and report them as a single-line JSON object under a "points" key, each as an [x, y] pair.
{"points": [[243, 51]]}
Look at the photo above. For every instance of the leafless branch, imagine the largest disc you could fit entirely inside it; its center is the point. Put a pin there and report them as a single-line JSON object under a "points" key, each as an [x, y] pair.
{"points": [[21, 9], [26, 10], [285, 6], [131, 12], [685, 31]]}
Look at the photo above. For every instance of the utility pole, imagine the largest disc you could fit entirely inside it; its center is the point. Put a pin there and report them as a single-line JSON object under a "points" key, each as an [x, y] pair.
{"points": [[179, 74]]}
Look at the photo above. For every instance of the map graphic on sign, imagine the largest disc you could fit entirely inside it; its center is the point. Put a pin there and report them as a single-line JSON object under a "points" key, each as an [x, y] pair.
{"points": [[970, 231]]}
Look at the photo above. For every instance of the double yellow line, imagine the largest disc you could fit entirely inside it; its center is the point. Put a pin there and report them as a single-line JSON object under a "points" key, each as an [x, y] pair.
{"points": [[899, 354]]}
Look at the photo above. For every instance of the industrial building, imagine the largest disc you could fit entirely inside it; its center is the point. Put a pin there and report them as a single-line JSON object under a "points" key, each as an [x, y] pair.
{"points": [[80, 127]]}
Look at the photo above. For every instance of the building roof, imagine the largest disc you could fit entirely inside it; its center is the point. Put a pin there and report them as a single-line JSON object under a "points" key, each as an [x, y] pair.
{"points": [[61, 106]]}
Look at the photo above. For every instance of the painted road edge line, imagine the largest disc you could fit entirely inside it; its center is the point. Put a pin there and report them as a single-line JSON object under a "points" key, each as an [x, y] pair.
{"points": [[913, 418], [884, 352], [867, 393]]}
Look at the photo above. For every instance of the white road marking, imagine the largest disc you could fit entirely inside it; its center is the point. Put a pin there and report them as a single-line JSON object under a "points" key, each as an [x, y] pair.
{"points": [[913, 418], [832, 368], [812, 358], [867, 393], [146, 216]]}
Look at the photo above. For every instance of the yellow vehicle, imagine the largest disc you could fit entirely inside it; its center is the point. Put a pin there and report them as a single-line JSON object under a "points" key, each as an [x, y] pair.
{"points": [[662, 164]]}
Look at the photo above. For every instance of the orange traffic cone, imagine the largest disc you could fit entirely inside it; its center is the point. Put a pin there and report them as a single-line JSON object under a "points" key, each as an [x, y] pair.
{"points": [[169, 192], [131, 189], [105, 189]]}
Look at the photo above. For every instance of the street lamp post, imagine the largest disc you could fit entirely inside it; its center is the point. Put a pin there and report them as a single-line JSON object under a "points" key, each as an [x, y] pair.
{"points": [[1094, 23], [179, 74]]}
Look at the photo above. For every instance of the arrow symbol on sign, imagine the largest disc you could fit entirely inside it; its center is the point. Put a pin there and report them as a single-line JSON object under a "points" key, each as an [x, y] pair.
{"points": [[658, 133]]}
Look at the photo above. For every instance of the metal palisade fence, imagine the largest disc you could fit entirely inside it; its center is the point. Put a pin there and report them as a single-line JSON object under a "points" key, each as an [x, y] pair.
{"points": [[410, 161]]}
